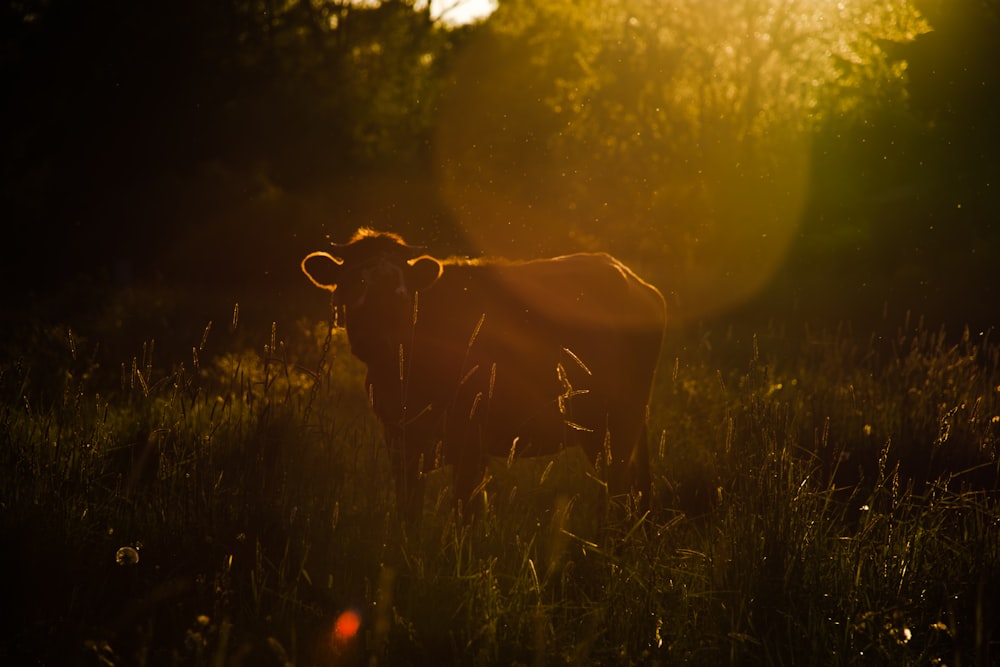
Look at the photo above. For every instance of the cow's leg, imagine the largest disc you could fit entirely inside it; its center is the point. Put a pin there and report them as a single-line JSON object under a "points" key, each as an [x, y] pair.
{"points": [[468, 471], [638, 469], [412, 505], [628, 471], [409, 480], [466, 452]]}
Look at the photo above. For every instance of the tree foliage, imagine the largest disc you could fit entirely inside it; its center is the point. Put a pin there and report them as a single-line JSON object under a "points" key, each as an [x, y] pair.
{"points": [[686, 136], [677, 129], [132, 126]]}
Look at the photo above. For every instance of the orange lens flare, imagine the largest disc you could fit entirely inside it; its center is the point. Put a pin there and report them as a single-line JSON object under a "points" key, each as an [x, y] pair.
{"points": [[346, 627]]}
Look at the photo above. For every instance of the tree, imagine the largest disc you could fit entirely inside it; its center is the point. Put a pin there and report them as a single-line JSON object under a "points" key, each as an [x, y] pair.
{"points": [[675, 132], [131, 129]]}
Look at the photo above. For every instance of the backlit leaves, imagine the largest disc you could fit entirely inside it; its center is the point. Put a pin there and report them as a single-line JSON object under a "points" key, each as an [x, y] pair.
{"points": [[680, 128], [647, 72]]}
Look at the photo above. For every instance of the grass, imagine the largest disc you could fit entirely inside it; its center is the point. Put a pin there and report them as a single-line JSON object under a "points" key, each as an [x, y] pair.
{"points": [[824, 500]]}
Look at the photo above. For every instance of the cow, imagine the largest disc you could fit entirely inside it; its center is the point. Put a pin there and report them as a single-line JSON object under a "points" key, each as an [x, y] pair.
{"points": [[469, 359]]}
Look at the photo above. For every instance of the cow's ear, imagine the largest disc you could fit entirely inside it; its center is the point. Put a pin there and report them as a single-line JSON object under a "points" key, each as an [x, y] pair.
{"points": [[423, 272], [322, 269]]}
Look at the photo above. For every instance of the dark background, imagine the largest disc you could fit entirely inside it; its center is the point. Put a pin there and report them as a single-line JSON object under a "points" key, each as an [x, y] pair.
{"points": [[196, 150]]}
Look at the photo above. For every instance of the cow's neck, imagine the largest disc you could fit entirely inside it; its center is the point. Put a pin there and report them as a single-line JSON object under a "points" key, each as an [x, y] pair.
{"points": [[380, 348]]}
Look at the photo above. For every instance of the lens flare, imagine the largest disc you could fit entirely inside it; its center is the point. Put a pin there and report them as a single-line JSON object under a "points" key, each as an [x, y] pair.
{"points": [[127, 556], [346, 627]]}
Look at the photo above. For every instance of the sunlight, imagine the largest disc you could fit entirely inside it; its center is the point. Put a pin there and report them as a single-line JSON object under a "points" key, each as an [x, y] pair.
{"points": [[451, 12], [461, 12]]}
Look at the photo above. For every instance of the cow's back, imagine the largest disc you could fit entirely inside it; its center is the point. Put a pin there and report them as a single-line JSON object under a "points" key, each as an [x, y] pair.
{"points": [[588, 291], [504, 346]]}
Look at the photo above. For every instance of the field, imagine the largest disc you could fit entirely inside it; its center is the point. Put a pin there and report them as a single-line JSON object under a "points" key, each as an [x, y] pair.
{"points": [[822, 497]]}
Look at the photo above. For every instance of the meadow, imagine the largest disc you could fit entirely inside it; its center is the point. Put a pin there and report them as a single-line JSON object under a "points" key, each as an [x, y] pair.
{"points": [[220, 496]]}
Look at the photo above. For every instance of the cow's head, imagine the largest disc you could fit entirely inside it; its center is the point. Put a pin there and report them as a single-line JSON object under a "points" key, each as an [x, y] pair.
{"points": [[373, 279]]}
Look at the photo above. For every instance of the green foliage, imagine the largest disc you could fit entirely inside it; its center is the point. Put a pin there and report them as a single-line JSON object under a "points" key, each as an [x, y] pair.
{"points": [[675, 133], [818, 523], [674, 81], [688, 137], [834, 501], [214, 476]]}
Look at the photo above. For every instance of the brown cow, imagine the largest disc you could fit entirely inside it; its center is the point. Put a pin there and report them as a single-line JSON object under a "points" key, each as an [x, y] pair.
{"points": [[469, 359]]}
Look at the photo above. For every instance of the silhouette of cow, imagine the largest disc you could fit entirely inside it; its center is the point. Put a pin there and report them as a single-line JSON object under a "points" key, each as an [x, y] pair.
{"points": [[475, 358]]}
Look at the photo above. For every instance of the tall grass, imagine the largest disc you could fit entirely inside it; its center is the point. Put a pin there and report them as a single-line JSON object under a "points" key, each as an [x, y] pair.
{"points": [[829, 502]]}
